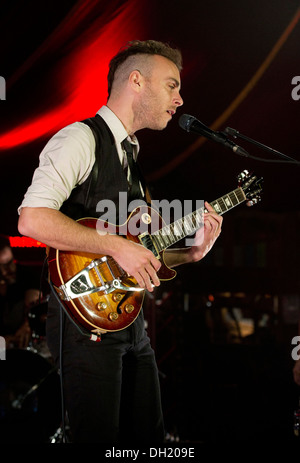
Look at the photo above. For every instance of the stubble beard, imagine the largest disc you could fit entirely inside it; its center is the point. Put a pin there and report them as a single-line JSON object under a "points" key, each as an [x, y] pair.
{"points": [[147, 113]]}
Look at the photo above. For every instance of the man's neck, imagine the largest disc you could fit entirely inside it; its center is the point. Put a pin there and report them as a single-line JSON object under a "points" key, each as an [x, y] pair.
{"points": [[123, 110]]}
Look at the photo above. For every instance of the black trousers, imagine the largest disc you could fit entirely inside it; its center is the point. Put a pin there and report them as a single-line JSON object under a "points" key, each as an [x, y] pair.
{"points": [[111, 387]]}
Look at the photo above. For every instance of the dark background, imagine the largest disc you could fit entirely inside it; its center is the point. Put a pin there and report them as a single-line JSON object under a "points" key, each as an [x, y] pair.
{"points": [[223, 328]]}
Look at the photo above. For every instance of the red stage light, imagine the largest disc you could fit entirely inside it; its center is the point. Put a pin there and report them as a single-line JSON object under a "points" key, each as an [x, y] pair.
{"points": [[81, 75], [25, 242]]}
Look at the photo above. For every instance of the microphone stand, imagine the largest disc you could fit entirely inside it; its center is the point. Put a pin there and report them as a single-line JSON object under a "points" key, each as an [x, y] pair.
{"points": [[286, 158]]}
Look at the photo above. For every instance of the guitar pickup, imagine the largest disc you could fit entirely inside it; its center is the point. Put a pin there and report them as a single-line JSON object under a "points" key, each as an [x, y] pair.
{"points": [[147, 241]]}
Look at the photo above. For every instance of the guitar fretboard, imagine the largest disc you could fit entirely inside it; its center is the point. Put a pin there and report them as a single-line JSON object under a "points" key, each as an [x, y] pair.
{"points": [[171, 234], [229, 201]]}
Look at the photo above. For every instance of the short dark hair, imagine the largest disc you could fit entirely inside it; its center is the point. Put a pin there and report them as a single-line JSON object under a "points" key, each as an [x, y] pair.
{"points": [[147, 47]]}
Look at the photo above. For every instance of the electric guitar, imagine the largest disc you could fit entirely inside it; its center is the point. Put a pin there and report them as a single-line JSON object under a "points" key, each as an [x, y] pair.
{"points": [[97, 293]]}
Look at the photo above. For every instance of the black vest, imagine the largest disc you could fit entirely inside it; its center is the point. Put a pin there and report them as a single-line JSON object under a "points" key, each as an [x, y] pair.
{"points": [[106, 180]]}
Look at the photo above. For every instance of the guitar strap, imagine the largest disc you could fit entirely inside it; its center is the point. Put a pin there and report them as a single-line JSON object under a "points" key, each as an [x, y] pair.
{"points": [[63, 310]]}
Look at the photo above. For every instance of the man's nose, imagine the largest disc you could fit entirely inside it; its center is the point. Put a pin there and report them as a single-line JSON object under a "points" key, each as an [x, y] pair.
{"points": [[178, 100]]}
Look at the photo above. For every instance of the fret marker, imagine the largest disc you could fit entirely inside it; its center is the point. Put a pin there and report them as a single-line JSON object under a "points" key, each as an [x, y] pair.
{"points": [[228, 202]]}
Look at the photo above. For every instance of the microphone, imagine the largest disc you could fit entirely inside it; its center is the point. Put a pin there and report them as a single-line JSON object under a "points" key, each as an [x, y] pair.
{"points": [[191, 124]]}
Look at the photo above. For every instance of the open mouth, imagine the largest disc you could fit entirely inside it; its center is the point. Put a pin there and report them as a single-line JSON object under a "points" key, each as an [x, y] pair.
{"points": [[169, 111]]}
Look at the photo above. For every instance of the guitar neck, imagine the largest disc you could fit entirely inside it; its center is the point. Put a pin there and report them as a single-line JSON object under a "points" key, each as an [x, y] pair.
{"points": [[190, 223]]}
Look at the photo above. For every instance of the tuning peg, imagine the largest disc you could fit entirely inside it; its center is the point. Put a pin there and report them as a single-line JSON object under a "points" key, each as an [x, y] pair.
{"points": [[251, 202], [243, 175]]}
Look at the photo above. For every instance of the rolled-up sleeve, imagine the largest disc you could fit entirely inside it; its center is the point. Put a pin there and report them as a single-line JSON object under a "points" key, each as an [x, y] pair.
{"points": [[65, 162]]}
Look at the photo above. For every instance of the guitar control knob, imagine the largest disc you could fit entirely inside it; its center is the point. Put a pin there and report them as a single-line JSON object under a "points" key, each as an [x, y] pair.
{"points": [[113, 316], [101, 306], [117, 297], [129, 308]]}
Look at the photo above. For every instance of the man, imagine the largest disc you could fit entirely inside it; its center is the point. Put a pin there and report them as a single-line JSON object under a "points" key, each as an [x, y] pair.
{"points": [[18, 292], [111, 388]]}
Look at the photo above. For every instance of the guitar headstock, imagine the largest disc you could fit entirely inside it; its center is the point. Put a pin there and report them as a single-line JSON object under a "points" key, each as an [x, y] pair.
{"points": [[251, 185]]}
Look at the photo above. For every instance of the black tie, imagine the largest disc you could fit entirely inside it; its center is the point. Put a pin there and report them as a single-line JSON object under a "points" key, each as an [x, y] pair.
{"points": [[135, 191]]}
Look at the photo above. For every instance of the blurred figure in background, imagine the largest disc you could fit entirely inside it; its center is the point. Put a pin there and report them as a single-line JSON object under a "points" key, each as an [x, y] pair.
{"points": [[19, 290]]}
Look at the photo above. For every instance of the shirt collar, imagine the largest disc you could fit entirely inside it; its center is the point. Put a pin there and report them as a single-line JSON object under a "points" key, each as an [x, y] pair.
{"points": [[117, 128]]}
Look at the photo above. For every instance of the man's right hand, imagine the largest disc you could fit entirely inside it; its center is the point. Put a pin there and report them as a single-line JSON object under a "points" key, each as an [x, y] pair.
{"points": [[138, 262]]}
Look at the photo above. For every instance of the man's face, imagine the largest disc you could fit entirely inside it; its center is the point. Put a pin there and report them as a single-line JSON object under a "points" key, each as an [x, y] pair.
{"points": [[7, 266], [160, 97]]}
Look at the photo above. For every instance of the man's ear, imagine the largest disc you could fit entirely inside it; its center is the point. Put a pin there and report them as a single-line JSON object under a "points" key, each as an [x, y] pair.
{"points": [[136, 80]]}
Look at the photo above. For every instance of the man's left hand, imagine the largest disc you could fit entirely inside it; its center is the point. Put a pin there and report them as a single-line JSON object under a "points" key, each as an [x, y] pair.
{"points": [[206, 236]]}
